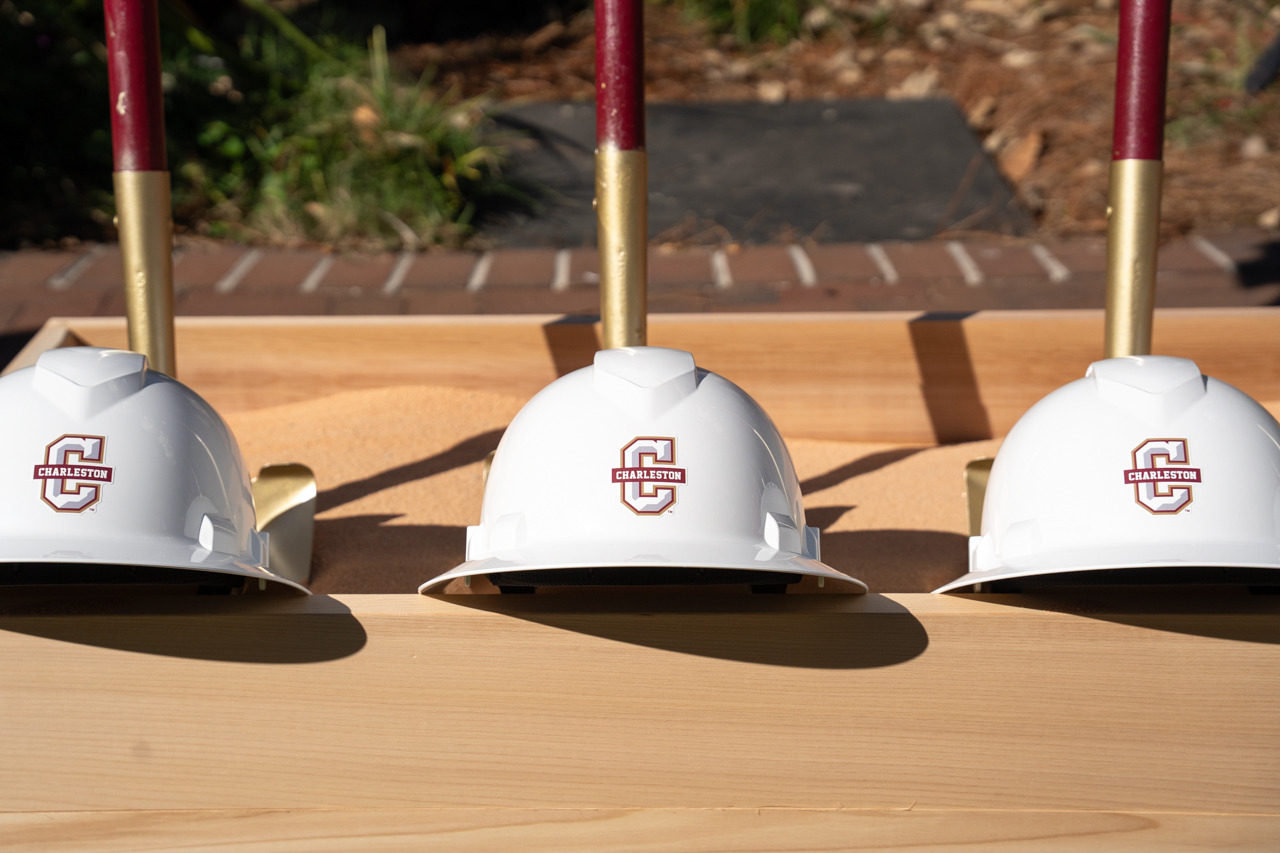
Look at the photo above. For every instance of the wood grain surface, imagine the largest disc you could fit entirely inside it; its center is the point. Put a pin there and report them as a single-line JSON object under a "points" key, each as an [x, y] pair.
{"points": [[634, 831], [590, 721], [593, 701], [888, 376]]}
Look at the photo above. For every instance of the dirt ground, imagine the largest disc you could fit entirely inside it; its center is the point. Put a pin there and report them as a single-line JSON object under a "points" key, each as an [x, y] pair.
{"points": [[1035, 79]]}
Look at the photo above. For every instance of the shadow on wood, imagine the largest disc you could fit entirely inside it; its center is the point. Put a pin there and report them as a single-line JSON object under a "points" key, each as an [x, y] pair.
{"points": [[947, 377], [1228, 612], [572, 342], [368, 554], [856, 468], [897, 560], [711, 626], [474, 449], [248, 630]]}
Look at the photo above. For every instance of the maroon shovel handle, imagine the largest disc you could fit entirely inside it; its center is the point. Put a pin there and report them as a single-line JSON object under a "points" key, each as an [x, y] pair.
{"points": [[1142, 69], [620, 74], [137, 106]]}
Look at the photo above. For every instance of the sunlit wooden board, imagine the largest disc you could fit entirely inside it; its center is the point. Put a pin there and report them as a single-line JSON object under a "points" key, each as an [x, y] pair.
{"points": [[889, 376], [634, 831], [597, 701]]}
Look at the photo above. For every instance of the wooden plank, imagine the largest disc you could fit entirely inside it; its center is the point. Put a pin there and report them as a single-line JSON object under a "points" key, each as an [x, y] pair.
{"points": [[634, 831], [52, 335], [592, 701], [249, 363], [1019, 356], [892, 376], [817, 375]]}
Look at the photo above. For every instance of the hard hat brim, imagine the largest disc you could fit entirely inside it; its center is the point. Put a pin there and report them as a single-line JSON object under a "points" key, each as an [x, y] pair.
{"points": [[159, 553], [734, 556], [1173, 558]]}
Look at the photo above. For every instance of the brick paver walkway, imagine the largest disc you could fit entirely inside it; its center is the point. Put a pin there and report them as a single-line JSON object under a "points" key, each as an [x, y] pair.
{"points": [[1236, 268]]}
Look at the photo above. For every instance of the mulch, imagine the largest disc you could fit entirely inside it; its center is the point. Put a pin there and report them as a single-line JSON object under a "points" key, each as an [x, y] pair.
{"points": [[1035, 79]]}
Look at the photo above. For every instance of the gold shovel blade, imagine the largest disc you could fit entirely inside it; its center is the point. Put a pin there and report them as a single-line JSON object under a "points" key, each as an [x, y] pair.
{"points": [[284, 497], [976, 474]]}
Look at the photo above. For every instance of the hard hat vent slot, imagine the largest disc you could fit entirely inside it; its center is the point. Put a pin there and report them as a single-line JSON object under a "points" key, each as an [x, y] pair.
{"points": [[780, 533], [640, 576], [218, 534]]}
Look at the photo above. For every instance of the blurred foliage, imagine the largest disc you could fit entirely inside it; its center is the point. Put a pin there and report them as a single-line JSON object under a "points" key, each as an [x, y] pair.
{"points": [[271, 135], [404, 22], [55, 138], [750, 21]]}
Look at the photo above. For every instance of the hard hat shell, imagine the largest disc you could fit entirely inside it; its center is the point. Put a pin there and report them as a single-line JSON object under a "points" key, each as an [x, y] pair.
{"points": [[110, 472], [641, 469], [1143, 464]]}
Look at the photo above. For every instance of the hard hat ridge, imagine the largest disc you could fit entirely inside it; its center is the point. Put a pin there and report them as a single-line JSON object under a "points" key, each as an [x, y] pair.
{"points": [[81, 383], [1144, 471], [642, 469], [644, 381], [1155, 388], [116, 473]]}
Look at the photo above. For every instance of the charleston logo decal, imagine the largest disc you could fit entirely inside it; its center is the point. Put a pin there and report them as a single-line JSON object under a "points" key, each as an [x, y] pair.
{"points": [[69, 484], [647, 476], [1161, 474]]}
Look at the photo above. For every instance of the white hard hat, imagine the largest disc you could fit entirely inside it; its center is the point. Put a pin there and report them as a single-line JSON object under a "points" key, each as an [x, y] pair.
{"points": [[1144, 471], [111, 473], [642, 470]]}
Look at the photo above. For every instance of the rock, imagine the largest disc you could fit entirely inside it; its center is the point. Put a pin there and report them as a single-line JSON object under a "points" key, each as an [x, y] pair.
{"points": [[1091, 168], [850, 76], [1019, 58], [995, 141], [998, 8], [772, 91], [841, 59], [979, 116], [1253, 147], [947, 22], [1269, 219], [738, 69], [1020, 157], [919, 84], [818, 19], [899, 56]]}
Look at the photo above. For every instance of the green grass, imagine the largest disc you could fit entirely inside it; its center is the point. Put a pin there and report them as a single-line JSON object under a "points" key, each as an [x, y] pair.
{"points": [[273, 136], [343, 152]]}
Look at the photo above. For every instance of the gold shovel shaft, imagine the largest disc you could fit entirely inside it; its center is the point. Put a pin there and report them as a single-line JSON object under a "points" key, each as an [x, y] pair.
{"points": [[1133, 231], [622, 209], [144, 220]]}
